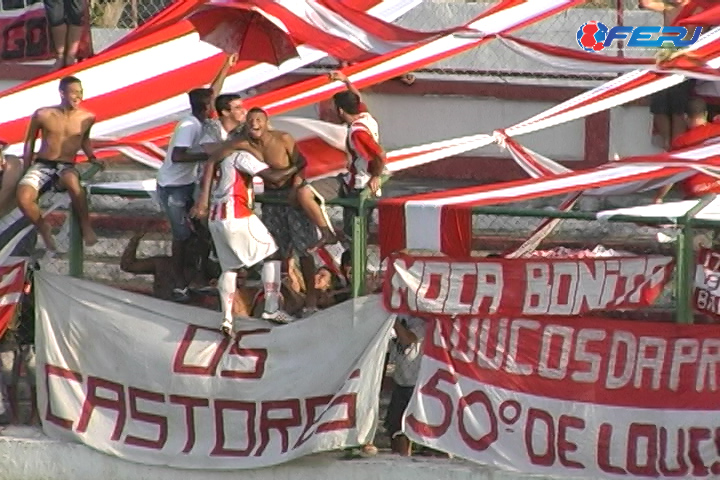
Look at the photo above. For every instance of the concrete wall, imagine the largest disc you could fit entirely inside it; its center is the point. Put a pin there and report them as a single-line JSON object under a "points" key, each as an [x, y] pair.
{"points": [[25, 454], [410, 120]]}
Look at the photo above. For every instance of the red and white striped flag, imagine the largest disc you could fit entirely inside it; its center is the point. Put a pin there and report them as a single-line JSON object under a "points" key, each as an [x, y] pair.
{"points": [[332, 26], [12, 280], [174, 61], [442, 221]]}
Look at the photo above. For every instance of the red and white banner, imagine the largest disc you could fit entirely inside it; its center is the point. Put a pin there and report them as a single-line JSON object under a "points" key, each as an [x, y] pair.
{"points": [[139, 97], [140, 103], [331, 26], [585, 398], [441, 221], [431, 286], [25, 34], [12, 280], [706, 296], [157, 383]]}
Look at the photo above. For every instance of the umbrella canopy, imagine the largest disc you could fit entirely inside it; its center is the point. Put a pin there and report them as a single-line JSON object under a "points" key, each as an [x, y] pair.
{"points": [[238, 28], [706, 18]]}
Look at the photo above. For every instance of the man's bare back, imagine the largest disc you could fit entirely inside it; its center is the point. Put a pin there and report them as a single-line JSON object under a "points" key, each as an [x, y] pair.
{"points": [[63, 132]]}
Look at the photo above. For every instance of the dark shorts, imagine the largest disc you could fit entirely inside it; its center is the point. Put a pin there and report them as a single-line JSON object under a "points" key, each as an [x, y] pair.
{"points": [[398, 403], [332, 188], [290, 227], [673, 100], [62, 12]]}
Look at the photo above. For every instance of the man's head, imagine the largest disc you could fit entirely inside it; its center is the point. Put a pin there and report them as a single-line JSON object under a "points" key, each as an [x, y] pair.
{"points": [[347, 105], [71, 92], [230, 106], [201, 102], [257, 122], [697, 113], [346, 264]]}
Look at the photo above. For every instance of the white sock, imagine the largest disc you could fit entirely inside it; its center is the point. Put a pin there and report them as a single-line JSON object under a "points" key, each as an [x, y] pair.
{"points": [[271, 278], [226, 287]]}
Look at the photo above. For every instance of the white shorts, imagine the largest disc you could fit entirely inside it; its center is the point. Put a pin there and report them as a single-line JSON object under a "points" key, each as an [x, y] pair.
{"points": [[43, 171], [241, 242]]}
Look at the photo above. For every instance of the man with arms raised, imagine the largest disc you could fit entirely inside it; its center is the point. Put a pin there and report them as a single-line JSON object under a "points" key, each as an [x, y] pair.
{"points": [[178, 175], [366, 159], [65, 129], [290, 228], [240, 238]]}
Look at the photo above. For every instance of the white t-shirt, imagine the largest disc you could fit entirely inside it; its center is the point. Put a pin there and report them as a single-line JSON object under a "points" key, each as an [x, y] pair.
{"points": [[187, 134], [213, 132], [407, 359]]}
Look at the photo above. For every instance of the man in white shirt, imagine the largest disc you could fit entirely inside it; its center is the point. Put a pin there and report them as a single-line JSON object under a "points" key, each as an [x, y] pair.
{"points": [[406, 355], [177, 177], [231, 115]]}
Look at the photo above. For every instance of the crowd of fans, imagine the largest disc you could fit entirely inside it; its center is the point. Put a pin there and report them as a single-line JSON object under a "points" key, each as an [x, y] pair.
{"points": [[207, 219], [226, 258]]}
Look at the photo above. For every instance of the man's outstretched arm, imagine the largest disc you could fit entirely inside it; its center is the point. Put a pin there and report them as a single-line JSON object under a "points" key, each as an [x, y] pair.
{"points": [[338, 76], [280, 177]]}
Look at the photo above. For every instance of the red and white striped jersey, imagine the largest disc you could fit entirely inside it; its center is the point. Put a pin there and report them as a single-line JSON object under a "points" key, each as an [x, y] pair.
{"points": [[232, 192], [363, 144]]}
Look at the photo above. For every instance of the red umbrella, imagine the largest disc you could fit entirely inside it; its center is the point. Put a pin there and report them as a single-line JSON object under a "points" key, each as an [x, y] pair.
{"points": [[707, 18], [238, 28]]}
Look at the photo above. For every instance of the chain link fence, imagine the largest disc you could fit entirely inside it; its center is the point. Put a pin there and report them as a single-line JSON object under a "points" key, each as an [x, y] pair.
{"points": [[117, 218]]}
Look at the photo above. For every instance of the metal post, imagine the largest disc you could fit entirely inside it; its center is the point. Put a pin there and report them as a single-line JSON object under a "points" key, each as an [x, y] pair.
{"points": [[685, 278], [359, 248], [76, 251]]}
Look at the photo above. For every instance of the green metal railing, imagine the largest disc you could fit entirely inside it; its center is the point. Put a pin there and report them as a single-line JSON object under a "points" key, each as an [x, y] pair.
{"points": [[685, 256]]}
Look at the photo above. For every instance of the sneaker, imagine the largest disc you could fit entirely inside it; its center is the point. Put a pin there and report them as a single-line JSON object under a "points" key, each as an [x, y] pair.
{"points": [[227, 328], [280, 317], [181, 295]]}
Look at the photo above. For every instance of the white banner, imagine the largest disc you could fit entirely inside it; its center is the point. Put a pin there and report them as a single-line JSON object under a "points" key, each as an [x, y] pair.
{"points": [[706, 297], [156, 383], [583, 397]]}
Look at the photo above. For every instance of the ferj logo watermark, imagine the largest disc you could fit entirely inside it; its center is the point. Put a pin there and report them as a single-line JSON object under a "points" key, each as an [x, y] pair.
{"points": [[595, 36]]}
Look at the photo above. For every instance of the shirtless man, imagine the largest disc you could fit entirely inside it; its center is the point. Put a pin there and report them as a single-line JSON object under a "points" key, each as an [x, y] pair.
{"points": [[65, 129], [291, 229], [161, 267]]}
